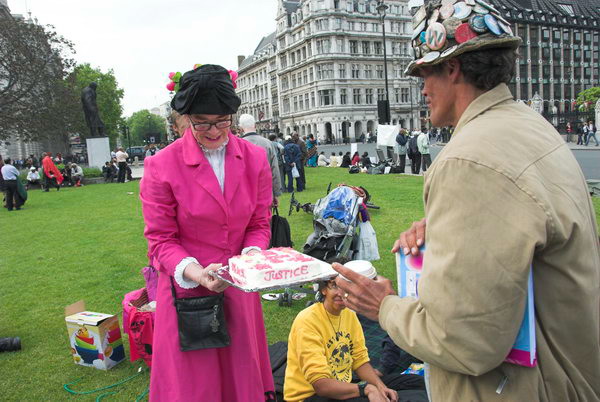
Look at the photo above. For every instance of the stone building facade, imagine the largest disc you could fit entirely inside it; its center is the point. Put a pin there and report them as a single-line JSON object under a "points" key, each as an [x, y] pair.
{"points": [[322, 71], [559, 56]]}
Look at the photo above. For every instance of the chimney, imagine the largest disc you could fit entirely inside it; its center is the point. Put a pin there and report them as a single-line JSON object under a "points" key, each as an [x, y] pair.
{"points": [[240, 60]]}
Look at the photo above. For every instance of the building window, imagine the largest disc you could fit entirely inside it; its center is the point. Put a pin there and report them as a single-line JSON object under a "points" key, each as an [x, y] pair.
{"points": [[342, 70], [369, 96], [353, 47], [326, 97], [319, 71], [343, 96], [355, 71], [380, 94], [323, 46], [356, 96], [312, 75], [366, 47], [312, 99], [295, 104], [379, 71], [362, 26], [294, 81], [397, 94], [341, 48], [301, 102], [404, 95], [305, 73], [368, 71], [306, 100], [378, 48]]}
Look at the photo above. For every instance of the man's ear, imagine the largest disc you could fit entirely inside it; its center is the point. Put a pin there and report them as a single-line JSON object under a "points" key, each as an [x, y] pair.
{"points": [[454, 70]]}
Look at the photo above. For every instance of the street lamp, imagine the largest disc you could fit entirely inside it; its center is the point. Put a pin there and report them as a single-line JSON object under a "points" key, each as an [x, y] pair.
{"points": [[381, 9], [148, 130]]}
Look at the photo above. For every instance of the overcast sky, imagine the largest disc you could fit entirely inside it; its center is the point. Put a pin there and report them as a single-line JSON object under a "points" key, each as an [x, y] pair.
{"points": [[144, 40]]}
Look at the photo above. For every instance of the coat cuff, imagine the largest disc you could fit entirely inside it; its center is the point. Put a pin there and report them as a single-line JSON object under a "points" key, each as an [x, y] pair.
{"points": [[178, 275], [250, 248]]}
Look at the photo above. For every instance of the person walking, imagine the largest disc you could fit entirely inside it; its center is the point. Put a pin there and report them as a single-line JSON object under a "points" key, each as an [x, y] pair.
{"points": [[10, 175], [121, 157], [423, 146], [591, 133], [400, 146], [516, 212], [579, 134], [247, 125], [293, 158], [52, 176]]}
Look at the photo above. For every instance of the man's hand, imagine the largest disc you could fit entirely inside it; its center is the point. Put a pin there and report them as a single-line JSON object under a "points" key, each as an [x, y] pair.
{"points": [[362, 294], [410, 240], [203, 276], [374, 394], [390, 394]]}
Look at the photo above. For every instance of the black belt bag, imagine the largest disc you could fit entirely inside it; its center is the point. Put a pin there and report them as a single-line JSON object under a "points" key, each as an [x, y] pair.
{"points": [[201, 322]]}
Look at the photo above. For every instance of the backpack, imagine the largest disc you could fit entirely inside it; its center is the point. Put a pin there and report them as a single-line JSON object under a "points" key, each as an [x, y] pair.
{"points": [[280, 231], [278, 357], [413, 148], [353, 169]]}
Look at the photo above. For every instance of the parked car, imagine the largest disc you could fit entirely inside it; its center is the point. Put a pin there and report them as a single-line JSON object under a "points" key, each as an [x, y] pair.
{"points": [[135, 151]]}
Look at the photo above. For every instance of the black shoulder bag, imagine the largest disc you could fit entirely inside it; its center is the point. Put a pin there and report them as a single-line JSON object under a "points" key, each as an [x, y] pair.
{"points": [[201, 322]]}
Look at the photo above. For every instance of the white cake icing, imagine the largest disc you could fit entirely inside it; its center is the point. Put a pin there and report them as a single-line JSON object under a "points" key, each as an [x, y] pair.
{"points": [[274, 267]]}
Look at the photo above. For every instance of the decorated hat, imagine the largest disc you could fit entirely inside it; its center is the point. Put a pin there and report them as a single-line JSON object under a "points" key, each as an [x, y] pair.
{"points": [[443, 29], [207, 89]]}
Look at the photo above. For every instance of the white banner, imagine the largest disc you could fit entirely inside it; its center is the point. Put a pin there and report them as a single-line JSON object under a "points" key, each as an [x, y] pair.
{"points": [[386, 135]]}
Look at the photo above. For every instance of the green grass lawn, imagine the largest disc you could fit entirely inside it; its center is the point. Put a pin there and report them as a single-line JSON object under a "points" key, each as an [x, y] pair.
{"points": [[87, 243]]}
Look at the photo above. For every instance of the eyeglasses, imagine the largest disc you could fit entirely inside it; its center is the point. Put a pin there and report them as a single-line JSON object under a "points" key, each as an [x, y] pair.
{"points": [[207, 126]]}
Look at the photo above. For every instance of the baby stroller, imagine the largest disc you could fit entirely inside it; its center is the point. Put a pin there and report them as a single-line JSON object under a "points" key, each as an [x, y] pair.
{"points": [[335, 222]]}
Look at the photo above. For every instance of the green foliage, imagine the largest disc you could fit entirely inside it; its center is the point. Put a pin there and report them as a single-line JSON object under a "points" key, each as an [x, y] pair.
{"points": [[143, 124], [586, 100], [109, 97], [34, 60], [92, 172]]}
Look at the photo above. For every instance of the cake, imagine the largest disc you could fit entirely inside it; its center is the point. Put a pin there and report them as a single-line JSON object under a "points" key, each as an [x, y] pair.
{"points": [[275, 267]]}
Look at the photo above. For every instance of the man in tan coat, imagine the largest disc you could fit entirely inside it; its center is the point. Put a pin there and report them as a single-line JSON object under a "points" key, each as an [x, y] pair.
{"points": [[505, 195]]}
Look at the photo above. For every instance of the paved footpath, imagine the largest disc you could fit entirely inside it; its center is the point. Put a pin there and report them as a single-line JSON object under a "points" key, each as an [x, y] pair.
{"points": [[588, 157]]}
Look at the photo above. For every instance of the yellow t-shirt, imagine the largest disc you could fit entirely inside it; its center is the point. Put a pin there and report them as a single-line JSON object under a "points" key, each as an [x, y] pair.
{"points": [[322, 345]]}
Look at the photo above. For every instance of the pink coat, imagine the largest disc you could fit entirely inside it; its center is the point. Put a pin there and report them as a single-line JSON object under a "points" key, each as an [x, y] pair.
{"points": [[186, 214]]}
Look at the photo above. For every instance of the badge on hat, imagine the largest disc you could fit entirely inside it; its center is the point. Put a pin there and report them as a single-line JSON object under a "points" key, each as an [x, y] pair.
{"points": [[506, 28], [431, 56], [464, 33], [436, 36], [447, 11], [450, 25], [462, 10], [492, 23], [419, 17], [417, 31], [477, 23]]}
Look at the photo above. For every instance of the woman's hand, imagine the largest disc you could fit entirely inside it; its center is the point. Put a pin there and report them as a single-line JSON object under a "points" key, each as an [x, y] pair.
{"points": [[410, 240], [197, 273]]}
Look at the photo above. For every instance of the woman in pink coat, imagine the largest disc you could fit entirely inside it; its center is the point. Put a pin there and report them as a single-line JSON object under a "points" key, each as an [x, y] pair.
{"points": [[206, 198]]}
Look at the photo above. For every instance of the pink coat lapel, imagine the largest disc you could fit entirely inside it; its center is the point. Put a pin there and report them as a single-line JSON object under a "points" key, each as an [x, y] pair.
{"points": [[204, 174]]}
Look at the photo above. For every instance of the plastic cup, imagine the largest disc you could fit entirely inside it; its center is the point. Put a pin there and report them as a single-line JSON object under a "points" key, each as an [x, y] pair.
{"points": [[365, 268]]}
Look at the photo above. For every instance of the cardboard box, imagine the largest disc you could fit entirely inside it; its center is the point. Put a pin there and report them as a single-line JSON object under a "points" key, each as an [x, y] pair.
{"points": [[95, 338]]}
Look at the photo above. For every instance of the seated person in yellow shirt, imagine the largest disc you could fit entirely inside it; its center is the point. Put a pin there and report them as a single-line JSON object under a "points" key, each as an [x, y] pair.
{"points": [[326, 344]]}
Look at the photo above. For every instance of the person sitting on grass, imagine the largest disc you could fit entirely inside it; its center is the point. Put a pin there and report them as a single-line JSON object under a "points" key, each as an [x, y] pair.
{"points": [[325, 346], [346, 161], [33, 177], [322, 161], [67, 177], [365, 160], [334, 161], [76, 174], [109, 172]]}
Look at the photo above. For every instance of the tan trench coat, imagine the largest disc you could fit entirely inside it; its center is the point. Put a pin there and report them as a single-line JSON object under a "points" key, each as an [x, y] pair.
{"points": [[505, 192]]}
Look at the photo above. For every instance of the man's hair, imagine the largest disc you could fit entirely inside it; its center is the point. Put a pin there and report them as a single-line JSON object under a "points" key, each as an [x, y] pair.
{"points": [[272, 137], [7, 161], [485, 69], [247, 121]]}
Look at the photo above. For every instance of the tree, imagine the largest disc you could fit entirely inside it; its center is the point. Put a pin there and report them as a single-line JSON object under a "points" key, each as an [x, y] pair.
{"points": [[34, 62], [109, 97], [586, 100], [143, 124]]}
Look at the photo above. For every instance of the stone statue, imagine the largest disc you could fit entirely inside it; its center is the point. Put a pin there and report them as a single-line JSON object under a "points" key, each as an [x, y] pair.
{"points": [[90, 109]]}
